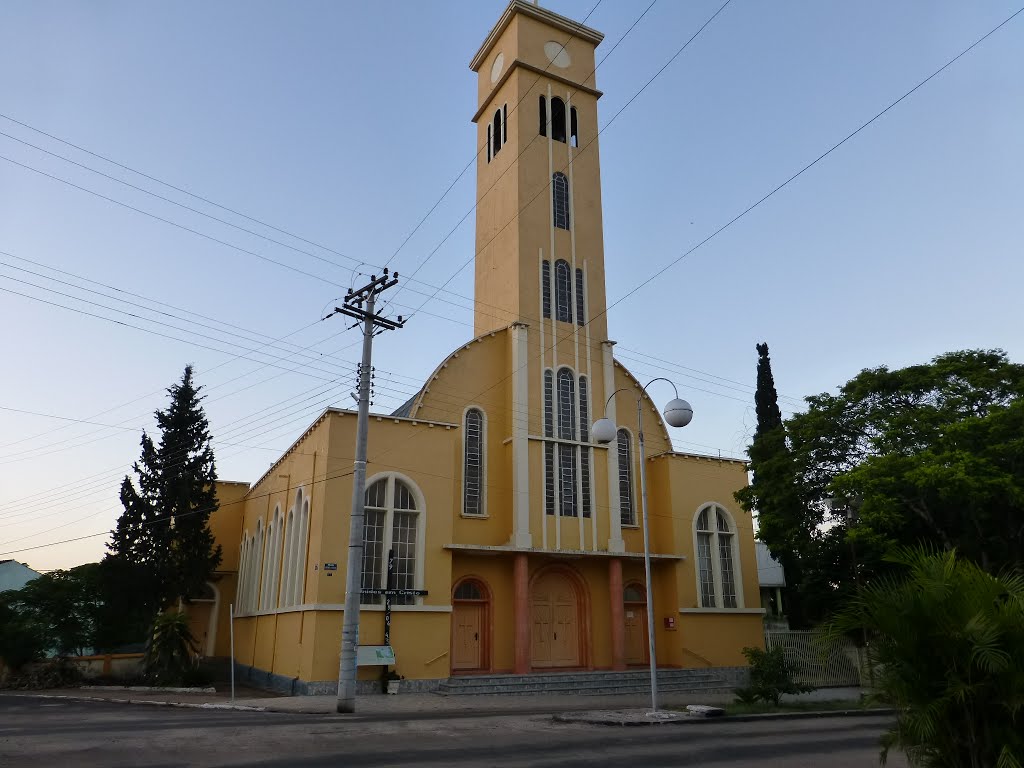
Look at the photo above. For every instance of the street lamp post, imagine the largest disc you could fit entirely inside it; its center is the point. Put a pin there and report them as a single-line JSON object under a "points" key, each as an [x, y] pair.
{"points": [[678, 413]]}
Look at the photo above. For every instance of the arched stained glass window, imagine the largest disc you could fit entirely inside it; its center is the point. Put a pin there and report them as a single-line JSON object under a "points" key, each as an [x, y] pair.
{"points": [[473, 463], [391, 524], [568, 500], [716, 557], [560, 200], [624, 445], [563, 288]]}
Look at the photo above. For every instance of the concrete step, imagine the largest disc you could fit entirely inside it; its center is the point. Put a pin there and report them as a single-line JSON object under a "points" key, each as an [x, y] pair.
{"points": [[587, 683]]}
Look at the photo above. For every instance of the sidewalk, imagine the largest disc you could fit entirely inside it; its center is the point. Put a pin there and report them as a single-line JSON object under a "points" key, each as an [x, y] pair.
{"points": [[418, 705]]}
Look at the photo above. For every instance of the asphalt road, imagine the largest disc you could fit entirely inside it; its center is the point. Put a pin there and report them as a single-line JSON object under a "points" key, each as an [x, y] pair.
{"points": [[46, 732]]}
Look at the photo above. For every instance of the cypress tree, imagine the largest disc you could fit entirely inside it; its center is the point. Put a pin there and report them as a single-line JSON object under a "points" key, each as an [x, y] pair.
{"points": [[773, 492], [162, 543]]}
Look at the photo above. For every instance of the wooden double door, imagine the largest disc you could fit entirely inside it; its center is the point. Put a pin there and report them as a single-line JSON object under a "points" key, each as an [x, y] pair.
{"points": [[555, 631]]}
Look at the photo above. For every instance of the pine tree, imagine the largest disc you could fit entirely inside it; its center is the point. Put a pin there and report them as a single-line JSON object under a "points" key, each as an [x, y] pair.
{"points": [[163, 543], [774, 493]]}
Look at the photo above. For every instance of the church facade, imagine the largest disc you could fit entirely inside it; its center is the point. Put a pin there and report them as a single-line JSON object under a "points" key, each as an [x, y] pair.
{"points": [[486, 487]]}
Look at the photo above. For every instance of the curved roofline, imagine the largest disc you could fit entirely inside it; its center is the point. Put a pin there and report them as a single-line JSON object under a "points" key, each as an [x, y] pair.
{"points": [[418, 397]]}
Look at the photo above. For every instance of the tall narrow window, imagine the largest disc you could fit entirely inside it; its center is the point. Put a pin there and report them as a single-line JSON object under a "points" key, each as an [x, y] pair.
{"points": [[580, 316], [289, 557], [716, 557], [624, 446], [490, 131], [404, 528], [545, 283], [560, 200], [557, 119], [473, 464], [563, 286], [567, 465], [549, 448], [299, 582], [585, 453], [496, 132], [504, 123], [374, 563], [543, 116], [574, 138]]}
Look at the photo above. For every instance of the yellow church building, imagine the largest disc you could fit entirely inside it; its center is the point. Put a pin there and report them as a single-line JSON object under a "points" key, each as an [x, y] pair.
{"points": [[486, 486]]}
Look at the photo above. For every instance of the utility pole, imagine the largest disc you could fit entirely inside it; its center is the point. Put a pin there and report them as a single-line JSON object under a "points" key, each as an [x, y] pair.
{"points": [[360, 304]]}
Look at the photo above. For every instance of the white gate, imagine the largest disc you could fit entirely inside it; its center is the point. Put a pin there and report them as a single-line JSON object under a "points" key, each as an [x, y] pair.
{"points": [[818, 662]]}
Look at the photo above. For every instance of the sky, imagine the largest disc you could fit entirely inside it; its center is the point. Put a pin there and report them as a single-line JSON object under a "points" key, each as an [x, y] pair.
{"points": [[329, 131]]}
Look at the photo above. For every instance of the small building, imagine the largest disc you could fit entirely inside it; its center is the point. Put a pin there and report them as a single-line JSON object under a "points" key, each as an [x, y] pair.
{"points": [[486, 487], [15, 575], [771, 579]]}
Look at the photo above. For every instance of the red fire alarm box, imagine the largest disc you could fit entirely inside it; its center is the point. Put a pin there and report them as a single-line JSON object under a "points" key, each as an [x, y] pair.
{"points": [[670, 622]]}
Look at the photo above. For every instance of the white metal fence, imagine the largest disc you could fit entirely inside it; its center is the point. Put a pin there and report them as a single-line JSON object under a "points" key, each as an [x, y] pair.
{"points": [[819, 662]]}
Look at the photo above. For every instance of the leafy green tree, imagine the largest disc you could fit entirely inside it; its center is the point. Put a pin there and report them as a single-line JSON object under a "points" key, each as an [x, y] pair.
{"points": [[948, 652], [771, 676], [21, 639], [162, 546], [61, 609], [782, 518], [928, 453]]}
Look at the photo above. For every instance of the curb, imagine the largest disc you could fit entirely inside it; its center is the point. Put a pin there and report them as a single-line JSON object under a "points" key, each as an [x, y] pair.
{"points": [[147, 688], [151, 702], [577, 718]]}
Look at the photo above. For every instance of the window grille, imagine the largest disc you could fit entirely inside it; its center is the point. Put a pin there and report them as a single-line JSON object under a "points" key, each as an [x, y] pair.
{"points": [[627, 512], [567, 479], [373, 552], [473, 468], [391, 523], [560, 200], [566, 405], [563, 305], [716, 559], [403, 542], [580, 316], [549, 478], [469, 590], [545, 274]]}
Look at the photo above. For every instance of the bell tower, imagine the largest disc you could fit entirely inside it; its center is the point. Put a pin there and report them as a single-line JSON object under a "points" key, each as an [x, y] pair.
{"points": [[539, 241]]}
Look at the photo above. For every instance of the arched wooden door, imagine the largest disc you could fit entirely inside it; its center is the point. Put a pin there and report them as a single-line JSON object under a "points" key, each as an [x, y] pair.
{"points": [[470, 605], [555, 634], [634, 612]]}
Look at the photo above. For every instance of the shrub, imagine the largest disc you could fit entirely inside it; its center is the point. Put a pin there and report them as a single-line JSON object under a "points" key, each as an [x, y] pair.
{"points": [[171, 652], [947, 645], [770, 677], [53, 673]]}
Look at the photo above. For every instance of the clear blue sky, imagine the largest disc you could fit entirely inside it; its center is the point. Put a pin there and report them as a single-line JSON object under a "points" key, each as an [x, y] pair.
{"points": [[344, 122]]}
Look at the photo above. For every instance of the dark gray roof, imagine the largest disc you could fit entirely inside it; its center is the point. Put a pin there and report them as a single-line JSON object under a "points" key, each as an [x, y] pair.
{"points": [[405, 408]]}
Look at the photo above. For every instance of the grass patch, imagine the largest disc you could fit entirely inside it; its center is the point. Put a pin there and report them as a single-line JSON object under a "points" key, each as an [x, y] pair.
{"points": [[761, 708]]}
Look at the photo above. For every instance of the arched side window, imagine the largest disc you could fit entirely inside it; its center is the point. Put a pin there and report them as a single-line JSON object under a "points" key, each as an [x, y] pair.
{"points": [[580, 314], [563, 289], [473, 463], [302, 537], [557, 119], [287, 576], [543, 116], [393, 523], [271, 563], [243, 572], [560, 200], [568, 501], [624, 446], [715, 541], [549, 448], [574, 138], [256, 573], [585, 452], [490, 135]]}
